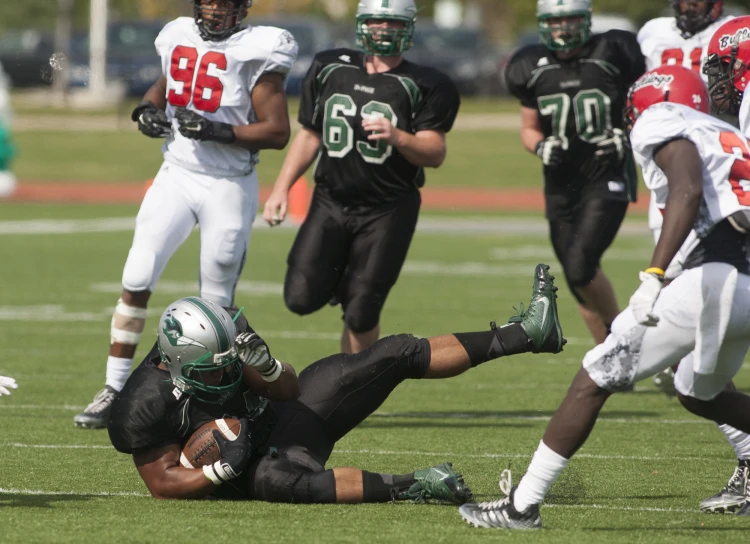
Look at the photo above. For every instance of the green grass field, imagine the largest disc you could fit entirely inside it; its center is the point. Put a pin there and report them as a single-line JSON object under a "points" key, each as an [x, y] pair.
{"points": [[639, 478]]}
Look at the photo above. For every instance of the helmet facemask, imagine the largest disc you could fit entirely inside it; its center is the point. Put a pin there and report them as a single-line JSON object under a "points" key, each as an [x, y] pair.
{"points": [[565, 32], [384, 42], [201, 378], [693, 21], [722, 72], [219, 19]]}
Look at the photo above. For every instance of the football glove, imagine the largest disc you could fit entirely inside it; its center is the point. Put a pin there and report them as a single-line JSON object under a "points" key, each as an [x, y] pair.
{"points": [[151, 120], [612, 150], [254, 352], [643, 300], [195, 127], [235, 455], [6, 384], [551, 152]]}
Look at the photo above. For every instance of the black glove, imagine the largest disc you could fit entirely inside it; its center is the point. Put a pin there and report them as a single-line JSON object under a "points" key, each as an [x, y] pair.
{"points": [[254, 352], [151, 120], [551, 152], [612, 150], [195, 127], [235, 455]]}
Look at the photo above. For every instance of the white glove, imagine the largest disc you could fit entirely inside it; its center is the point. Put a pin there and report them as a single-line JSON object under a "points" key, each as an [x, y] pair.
{"points": [[613, 149], [643, 300], [550, 150], [254, 352], [6, 384]]}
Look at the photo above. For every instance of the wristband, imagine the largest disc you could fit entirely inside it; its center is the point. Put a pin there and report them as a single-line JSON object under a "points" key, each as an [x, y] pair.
{"points": [[272, 374], [208, 470], [655, 271]]}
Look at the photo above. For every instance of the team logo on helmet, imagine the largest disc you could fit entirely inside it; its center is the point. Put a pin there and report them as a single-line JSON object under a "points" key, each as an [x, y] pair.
{"points": [[654, 80], [742, 35], [173, 332]]}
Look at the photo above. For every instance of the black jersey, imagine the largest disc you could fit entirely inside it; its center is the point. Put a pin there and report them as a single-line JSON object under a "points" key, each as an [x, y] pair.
{"points": [[579, 99], [151, 412], [338, 92]]}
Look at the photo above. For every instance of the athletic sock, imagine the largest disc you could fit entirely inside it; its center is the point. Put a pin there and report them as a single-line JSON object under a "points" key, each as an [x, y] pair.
{"points": [[546, 466], [381, 487], [118, 370], [488, 345], [740, 441]]}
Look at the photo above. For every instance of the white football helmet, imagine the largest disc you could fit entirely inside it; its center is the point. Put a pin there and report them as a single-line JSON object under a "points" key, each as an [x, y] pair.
{"points": [[564, 37], [196, 337], [384, 42]]}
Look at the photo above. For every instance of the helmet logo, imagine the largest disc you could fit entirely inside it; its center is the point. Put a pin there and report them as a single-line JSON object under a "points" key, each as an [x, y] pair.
{"points": [[173, 331], [697, 99], [653, 80], [742, 35]]}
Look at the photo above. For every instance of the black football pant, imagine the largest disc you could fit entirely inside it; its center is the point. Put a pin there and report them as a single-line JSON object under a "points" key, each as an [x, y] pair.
{"points": [[337, 394]]}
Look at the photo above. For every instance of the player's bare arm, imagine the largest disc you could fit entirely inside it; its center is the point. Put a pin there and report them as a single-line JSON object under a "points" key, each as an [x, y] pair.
{"points": [[164, 477], [424, 149], [531, 129], [285, 387], [272, 129], [681, 163], [157, 94], [302, 153]]}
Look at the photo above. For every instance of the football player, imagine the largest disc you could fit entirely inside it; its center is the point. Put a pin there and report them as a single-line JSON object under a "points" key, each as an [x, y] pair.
{"points": [[6, 384], [373, 122], [219, 101], [200, 370], [572, 88], [694, 163]]}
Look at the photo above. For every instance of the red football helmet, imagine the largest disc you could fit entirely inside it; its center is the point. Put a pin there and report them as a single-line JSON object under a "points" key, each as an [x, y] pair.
{"points": [[666, 84], [726, 65]]}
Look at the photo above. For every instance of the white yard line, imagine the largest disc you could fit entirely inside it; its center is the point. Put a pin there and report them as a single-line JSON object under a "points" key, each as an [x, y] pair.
{"points": [[22, 491]]}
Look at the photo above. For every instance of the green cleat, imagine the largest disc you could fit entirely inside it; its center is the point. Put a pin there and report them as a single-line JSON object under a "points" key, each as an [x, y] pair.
{"points": [[440, 483], [540, 320]]}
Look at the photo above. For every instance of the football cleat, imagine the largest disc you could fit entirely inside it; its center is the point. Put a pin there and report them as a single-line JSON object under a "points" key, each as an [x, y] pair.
{"points": [[540, 320], [745, 510], [439, 483], [96, 414], [501, 514], [664, 382], [734, 495]]}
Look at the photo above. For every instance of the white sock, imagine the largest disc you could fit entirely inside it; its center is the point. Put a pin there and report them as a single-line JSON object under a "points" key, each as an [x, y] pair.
{"points": [[546, 466], [118, 369], [740, 441]]}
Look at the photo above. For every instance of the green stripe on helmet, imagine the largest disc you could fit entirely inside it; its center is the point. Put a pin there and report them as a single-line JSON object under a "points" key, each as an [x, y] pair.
{"points": [[222, 337]]}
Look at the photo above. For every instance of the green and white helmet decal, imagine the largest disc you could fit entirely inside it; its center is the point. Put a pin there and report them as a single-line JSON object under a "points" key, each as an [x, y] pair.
{"points": [[195, 337], [564, 37], [384, 42]]}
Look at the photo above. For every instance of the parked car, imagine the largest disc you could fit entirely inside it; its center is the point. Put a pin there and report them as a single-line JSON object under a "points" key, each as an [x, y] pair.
{"points": [[463, 53], [25, 56], [312, 35], [131, 56]]}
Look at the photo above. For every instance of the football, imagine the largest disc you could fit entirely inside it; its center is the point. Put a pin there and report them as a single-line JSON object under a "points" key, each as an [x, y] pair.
{"points": [[201, 448]]}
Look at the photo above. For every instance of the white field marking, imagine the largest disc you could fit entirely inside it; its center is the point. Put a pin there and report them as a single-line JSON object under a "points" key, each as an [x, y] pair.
{"points": [[448, 454], [602, 419], [470, 269], [623, 508], [259, 288], [13, 491], [426, 225], [545, 252]]}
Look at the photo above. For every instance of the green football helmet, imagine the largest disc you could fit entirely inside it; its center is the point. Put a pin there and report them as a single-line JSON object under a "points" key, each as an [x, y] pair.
{"points": [[573, 35], [386, 42], [197, 337]]}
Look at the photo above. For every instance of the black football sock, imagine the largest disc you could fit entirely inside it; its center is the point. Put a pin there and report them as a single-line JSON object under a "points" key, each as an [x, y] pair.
{"points": [[498, 342], [384, 487]]}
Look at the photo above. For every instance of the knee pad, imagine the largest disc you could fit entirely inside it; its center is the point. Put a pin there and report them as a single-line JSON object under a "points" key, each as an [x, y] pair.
{"points": [[127, 324], [579, 270], [230, 248], [279, 479], [300, 296], [140, 270], [362, 311]]}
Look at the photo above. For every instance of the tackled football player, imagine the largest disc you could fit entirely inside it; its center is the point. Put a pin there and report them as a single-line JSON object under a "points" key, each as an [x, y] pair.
{"points": [[220, 100], [374, 121], [201, 369], [691, 160], [572, 89]]}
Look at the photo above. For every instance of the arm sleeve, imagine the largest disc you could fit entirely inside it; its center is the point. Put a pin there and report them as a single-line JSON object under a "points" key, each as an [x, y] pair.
{"points": [[657, 126], [309, 116], [517, 76], [283, 54], [439, 107]]}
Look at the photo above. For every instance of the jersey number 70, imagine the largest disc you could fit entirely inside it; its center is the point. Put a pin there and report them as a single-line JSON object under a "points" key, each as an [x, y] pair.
{"points": [[592, 109], [207, 90]]}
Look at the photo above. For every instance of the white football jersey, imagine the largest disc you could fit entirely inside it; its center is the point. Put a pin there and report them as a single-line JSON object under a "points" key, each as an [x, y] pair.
{"points": [[662, 43], [744, 115], [723, 149], [216, 79]]}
